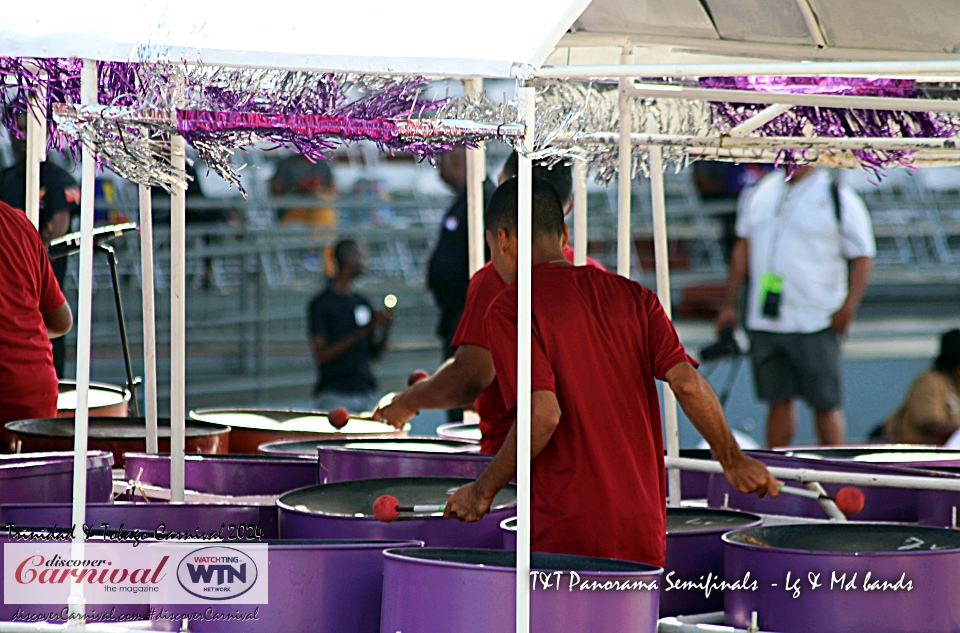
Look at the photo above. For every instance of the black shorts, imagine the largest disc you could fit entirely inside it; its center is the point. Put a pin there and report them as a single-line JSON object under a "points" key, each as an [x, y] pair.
{"points": [[791, 366]]}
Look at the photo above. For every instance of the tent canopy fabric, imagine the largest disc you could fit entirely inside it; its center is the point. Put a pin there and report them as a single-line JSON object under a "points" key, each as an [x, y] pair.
{"points": [[412, 37], [492, 39]]}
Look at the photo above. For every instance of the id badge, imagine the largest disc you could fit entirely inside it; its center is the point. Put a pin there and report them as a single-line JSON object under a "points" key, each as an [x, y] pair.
{"points": [[771, 291]]}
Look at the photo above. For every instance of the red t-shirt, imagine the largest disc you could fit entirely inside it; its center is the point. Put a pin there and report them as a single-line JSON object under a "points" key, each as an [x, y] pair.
{"points": [[485, 285], [599, 340], [28, 289]]}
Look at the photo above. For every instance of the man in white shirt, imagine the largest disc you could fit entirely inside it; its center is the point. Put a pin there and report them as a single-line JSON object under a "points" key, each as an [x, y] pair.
{"points": [[808, 248]]}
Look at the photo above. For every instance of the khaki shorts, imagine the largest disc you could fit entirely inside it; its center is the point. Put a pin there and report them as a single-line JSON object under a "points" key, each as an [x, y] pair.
{"points": [[791, 366]]}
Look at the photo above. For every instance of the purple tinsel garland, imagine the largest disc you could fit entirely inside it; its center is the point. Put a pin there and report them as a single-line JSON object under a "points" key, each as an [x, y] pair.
{"points": [[836, 122]]}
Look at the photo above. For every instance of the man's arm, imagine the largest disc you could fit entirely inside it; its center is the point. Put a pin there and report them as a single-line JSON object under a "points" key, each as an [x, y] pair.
{"points": [[457, 383], [739, 265], [59, 321], [382, 322], [701, 405], [325, 352], [858, 275], [472, 501]]}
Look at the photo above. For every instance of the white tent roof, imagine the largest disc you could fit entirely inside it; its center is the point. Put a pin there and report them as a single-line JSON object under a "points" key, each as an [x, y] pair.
{"points": [[429, 37], [847, 30]]}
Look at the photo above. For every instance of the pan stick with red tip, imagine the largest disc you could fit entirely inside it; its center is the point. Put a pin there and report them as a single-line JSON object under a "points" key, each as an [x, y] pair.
{"points": [[387, 508], [849, 499]]}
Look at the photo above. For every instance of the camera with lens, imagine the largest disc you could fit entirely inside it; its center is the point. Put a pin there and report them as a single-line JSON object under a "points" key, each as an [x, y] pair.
{"points": [[725, 346]]}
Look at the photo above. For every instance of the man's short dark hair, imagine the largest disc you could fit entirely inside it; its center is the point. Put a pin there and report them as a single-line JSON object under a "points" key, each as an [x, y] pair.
{"points": [[558, 175], [502, 210], [342, 250]]}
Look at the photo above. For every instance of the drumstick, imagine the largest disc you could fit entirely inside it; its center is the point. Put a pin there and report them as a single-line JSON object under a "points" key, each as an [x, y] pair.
{"points": [[849, 499], [387, 508]]}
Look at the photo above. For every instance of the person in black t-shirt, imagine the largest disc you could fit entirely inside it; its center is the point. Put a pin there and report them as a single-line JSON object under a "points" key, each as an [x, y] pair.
{"points": [[59, 202], [346, 333]]}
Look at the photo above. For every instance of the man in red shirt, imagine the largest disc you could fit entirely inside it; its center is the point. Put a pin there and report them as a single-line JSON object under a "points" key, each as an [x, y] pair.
{"points": [[468, 379], [599, 343], [32, 311]]}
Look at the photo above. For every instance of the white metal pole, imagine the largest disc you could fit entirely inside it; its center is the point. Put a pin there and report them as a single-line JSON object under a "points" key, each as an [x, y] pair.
{"points": [[760, 119], [527, 96], [178, 322], [149, 319], [579, 213], [625, 173], [770, 142], [36, 137], [662, 257], [797, 69], [88, 96], [476, 175]]}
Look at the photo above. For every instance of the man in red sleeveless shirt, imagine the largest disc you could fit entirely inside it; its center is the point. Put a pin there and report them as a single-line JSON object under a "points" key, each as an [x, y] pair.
{"points": [[33, 310], [600, 342], [468, 379]]}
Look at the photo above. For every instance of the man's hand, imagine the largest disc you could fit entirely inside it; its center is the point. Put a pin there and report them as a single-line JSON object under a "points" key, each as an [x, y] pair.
{"points": [[748, 475], [726, 317], [396, 413], [841, 319], [469, 503]]}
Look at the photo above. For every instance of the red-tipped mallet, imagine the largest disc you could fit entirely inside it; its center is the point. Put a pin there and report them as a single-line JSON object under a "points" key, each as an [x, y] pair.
{"points": [[387, 508], [849, 499], [339, 417], [416, 377]]}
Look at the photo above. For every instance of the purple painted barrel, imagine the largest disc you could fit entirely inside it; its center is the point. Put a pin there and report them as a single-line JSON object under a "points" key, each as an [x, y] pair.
{"points": [[880, 504], [474, 591], [695, 557], [892, 578], [301, 449], [48, 477], [463, 431], [318, 586], [149, 517], [344, 510], [234, 475], [695, 484], [509, 529], [346, 460]]}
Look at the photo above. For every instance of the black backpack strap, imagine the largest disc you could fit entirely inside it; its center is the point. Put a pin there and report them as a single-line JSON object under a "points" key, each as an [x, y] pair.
{"points": [[835, 194]]}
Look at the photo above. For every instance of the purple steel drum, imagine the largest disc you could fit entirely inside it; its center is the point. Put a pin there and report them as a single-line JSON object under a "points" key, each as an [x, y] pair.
{"points": [[344, 510], [474, 591], [253, 427], [880, 504], [346, 460], [912, 455], [117, 435], [694, 551], [154, 519], [695, 555], [318, 586], [463, 431], [48, 477], [694, 484], [235, 475], [892, 578], [939, 508]]}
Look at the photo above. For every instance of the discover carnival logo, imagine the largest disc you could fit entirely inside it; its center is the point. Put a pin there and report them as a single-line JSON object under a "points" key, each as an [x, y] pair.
{"points": [[217, 573]]}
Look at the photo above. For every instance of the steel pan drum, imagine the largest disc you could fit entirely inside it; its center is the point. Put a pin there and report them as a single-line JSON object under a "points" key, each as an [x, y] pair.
{"points": [[153, 517], [315, 586], [939, 508], [465, 431], [872, 578], [887, 454], [234, 475], [253, 427], [694, 553], [345, 460], [48, 477], [344, 510], [105, 401], [880, 504], [117, 435], [475, 592]]}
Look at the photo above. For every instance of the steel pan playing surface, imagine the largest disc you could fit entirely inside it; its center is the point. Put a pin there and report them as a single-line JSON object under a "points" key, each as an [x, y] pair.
{"points": [[345, 510]]}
